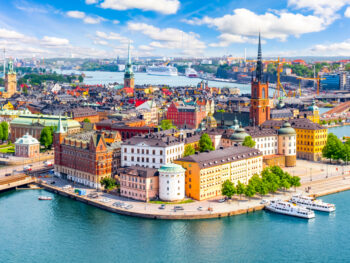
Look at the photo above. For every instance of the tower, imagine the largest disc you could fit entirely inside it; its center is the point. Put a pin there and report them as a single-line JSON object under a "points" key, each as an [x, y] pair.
{"points": [[129, 74], [58, 137], [10, 81], [259, 103]]}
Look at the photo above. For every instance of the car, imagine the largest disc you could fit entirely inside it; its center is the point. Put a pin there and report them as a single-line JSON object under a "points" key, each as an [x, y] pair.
{"points": [[264, 201], [200, 208], [105, 200], [7, 174], [162, 206], [117, 204], [66, 187], [27, 168], [222, 200], [129, 206], [48, 163], [53, 182], [92, 195], [178, 208]]}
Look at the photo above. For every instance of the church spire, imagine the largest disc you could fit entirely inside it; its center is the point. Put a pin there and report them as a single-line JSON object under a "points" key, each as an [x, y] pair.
{"points": [[129, 56], [60, 128], [259, 65]]}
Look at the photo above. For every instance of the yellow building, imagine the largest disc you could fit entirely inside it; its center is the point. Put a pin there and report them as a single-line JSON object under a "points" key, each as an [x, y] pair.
{"points": [[10, 82], [315, 117], [206, 172]]}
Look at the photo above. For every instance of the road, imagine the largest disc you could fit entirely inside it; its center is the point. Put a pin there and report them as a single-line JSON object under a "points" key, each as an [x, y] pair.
{"points": [[19, 168]]}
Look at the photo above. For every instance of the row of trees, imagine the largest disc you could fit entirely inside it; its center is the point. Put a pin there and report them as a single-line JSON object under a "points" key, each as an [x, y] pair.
{"points": [[4, 131], [335, 149], [271, 179]]}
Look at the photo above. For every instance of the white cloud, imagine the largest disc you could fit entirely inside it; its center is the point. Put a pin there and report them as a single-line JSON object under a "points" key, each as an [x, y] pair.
{"points": [[347, 12], [115, 22], [170, 38], [227, 39], [10, 34], [111, 36], [162, 6], [101, 42], [87, 19], [334, 49], [93, 20], [76, 14], [90, 2], [145, 48], [54, 41]]}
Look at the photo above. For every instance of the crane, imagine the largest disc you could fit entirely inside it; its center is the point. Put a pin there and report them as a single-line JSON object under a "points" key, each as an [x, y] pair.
{"points": [[318, 79]]}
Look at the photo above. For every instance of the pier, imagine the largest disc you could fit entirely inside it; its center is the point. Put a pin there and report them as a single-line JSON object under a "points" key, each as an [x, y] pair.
{"points": [[13, 181]]}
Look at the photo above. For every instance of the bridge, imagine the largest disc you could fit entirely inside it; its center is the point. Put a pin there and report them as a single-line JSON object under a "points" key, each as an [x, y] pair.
{"points": [[13, 181], [341, 108], [40, 171]]}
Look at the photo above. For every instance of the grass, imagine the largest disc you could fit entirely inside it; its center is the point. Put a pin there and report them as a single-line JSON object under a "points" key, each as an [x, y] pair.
{"points": [[7, 145], [172, 203], [10, 149]]}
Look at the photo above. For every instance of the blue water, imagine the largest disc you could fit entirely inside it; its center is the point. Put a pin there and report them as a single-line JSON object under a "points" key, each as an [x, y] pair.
{"points": [[63, 230]]}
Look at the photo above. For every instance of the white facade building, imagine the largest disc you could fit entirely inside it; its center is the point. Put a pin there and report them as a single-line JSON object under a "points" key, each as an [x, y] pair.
{"points": [[171, 182]]}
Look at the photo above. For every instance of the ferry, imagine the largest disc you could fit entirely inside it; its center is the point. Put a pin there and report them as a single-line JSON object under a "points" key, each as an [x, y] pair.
{"points": [[312, 203], [191, 73], [286, 208], [45, 198], [162, 70]]}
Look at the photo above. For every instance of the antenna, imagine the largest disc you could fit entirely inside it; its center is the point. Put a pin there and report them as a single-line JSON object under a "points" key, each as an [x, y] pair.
{"points": [[245, 55], [4, 62]]}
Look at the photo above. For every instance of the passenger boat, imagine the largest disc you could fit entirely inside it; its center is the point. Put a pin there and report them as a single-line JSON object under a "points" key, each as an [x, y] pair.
{"points": [[162, 70], [312, 203], [45, 198], [290, 209]]}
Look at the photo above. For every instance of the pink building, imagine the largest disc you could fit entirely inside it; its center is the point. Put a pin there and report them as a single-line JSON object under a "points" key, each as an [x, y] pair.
{"points": [[27, 146], [139, 183]]}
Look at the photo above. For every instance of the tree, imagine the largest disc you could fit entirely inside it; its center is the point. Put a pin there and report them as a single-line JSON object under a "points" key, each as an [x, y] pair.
{"points": [[228, 189], [240, 189], [189, 150], [108, 183], [221, 110], [25, 90], [205, 143], [46, 137], [333, 148], [80, 78], [295, 181], [5, 130], [166, 125], [249, 191], [284, 183], [262, 188], [249, 142], [1, 133], [87, 120]]}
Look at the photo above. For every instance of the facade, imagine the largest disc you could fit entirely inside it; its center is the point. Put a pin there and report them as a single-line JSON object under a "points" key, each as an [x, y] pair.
{"points": [[82, 113], [34, 123], [330, 82], [85, 158], [287, 144], [206, 172], [139, 183], [260, 103], [27, 147], [152, 150], [10, 82], [149, 110], [171, 182]]}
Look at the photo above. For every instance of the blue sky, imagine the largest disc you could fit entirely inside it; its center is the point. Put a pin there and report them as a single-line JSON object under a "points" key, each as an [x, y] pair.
{"points": [[197, 28]]}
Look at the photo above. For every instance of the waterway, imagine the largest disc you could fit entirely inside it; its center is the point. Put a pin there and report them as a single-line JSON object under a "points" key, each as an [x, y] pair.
{"points": [[63, 230]]}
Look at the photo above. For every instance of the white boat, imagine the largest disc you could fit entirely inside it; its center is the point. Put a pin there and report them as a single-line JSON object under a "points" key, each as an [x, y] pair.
{"points": [[191, 73], [312, 203], [162, 70], [290, 209], [45, 198]]}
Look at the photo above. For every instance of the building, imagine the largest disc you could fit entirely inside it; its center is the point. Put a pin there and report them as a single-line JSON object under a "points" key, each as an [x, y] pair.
{"points": [[260, 103], [151, 150], [10, 82], [27, 147], [85, 158], [330, 82], [149, 111], [287, 144], [34, 123], [171, 182], [82, 113], [140, 183], [206, 172], [129, 81]]}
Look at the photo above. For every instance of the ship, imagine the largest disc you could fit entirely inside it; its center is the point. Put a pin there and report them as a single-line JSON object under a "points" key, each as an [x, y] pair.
{"points": [[312, 203], [45, 198], [191, 73], [285, 208], [162, 70]]}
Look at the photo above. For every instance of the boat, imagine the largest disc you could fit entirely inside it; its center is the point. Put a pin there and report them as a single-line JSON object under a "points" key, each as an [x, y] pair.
{"points": [[191, 73], [162, 70], [312, 203], [45, 198], [285, 208]]}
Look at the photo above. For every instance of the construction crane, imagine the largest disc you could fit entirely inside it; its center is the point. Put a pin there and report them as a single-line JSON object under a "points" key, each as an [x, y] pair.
{"points": [[318, 79], [279, 85]]}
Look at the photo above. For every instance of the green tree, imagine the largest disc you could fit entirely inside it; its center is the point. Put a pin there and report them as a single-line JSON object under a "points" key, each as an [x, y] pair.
{"points": [[5, 130], [222, 110], [333, 148], [205, 143], [86, 120], [108, 183], [80, 78], [249, 142], [295, 182], [1, 133], [240, 189], [249, 191], [262, 188], [228, 189], [25, 90], [189, 150], [46, 137], [166, 125]]}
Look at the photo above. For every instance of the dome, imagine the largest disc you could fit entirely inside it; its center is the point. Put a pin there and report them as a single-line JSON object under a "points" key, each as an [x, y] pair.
{"points": [[239, 135], [27, 139], [171, 168], [286, 129], [313, 107], [280, 104]]}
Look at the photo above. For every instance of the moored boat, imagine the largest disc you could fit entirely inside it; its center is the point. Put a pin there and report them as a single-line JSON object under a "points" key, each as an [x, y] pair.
{"points": [[312, 203], [45, 198], [286, 208]]}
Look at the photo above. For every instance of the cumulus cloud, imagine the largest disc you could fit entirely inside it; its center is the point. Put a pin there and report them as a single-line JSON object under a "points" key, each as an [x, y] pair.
{"points": [[347, 12], [333, 49], [54, 41], [145, 48], [10, 34], [170, 38], [161, 6], [90, 2], [112, 36], [87, 19]]}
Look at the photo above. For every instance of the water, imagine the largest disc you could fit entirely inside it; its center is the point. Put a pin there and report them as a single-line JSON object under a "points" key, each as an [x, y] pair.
{"points": [[340, 131], [63, 230]]}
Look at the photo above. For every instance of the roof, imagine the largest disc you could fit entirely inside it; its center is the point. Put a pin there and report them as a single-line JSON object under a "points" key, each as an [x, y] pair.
{"points": [[255, 132], [286, 129], [172, 168], [44, 120], [221, 156], [303, 123], [154, 140], [144, 172], [27, 139]]}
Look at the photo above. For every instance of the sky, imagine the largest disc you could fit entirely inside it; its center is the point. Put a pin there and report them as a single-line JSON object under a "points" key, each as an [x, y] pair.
{"points": [[174, 28]]}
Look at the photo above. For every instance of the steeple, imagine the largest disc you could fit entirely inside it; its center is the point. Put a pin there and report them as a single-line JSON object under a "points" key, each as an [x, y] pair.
{"points": [[60, 128], [259, 66], [129, 57]]}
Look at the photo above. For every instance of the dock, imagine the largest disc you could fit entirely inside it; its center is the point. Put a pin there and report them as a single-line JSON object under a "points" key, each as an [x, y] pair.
{"points": [[13, 181]]}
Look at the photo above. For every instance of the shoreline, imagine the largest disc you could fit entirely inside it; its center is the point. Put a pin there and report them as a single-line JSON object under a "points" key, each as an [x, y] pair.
{"points": [[190, 215]]}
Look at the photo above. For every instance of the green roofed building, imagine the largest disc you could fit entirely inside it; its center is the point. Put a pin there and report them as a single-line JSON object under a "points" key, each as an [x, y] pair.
{"points": [[34, 123]]}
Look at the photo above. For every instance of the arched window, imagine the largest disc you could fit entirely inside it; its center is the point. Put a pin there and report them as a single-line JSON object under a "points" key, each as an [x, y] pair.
{"points": [[255, 93], [263, 92]]}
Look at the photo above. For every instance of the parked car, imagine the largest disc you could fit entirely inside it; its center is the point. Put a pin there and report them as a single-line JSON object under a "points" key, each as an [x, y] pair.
{"points": [[66, 187], [162, 206], [178, 208], [27, 168], [105, 200], [200, 208], [48, 163], [7, 174], [264, 201], [92, 195], [129, 206], [221, 200]]}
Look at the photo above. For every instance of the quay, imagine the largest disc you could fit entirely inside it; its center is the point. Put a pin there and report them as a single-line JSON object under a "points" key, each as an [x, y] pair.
{"points": [[14, 181]]}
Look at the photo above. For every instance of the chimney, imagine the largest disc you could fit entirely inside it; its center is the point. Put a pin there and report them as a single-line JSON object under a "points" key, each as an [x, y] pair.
{"points": [[197, 153]]}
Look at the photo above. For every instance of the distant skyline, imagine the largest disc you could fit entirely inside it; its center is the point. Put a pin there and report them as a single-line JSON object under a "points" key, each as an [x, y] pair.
{"points": [[174, 28]]}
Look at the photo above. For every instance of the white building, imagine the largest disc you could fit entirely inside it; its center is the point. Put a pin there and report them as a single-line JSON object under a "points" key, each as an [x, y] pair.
{"points": [[287, 140], [171, 182], [152, 150]]}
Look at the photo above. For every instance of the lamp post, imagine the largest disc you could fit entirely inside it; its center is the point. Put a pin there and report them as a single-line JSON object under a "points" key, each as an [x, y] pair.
{"points": [[310, 174]]}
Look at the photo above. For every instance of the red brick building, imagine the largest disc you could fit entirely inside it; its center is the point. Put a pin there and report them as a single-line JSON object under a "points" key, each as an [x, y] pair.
{"points": [[187, 116]]}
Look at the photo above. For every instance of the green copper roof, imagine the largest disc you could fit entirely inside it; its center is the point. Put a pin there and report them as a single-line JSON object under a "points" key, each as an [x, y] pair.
{"points": [[239, 135], [27, 139], [172, 168], [44, 120], [313, 107], [286, 129]]}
